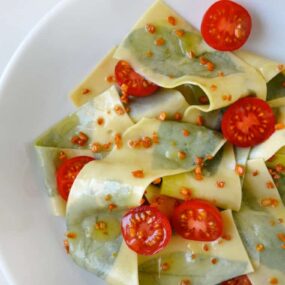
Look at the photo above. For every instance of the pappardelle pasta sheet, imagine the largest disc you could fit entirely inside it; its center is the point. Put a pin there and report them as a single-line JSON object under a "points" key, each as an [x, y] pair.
{"points": [[169, 63], [202, 263], [114, 177], [55, 144], [98, 81], [220, 169], [275, 142], [261, 224], [276, 167]]}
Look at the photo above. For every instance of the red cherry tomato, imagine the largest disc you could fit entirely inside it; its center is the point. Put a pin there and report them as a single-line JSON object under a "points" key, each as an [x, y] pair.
{"points": [[67, 172], [198, 220], [131, 82], [226, 25], [241, 280], [248, 122], [146, 230]]}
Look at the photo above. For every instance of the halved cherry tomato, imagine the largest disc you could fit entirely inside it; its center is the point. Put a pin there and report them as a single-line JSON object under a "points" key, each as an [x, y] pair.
{"points": [[146, 230], [134, 84], [67, 172], [198, 220], [226, 25], [248, 122], [241, 280]]}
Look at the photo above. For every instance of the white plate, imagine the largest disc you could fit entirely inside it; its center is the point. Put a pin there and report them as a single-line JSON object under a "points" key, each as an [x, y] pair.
{"points": [[54, 58]]}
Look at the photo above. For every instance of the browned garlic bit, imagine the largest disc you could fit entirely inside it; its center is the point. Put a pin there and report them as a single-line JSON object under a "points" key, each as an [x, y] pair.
{"points": [[62, 155], [157, 181], [270, 202], [171, 20], [180, 33], [260, 247], [119, 110], [162, 116], [66, 245], [182, 155], [240, 170], [185, 282], [186, 192], [118, 141], [273, 280], [159, 42], [199, 121], [100, 121], [150, 28], [165, 266], [71, 235], [221, 184], [80, 139], [86, 91], [111, 207], [178, 116], [110, 78], [138, 173]]}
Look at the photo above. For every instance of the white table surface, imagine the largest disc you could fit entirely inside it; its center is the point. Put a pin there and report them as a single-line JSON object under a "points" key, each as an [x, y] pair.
{"points": [[17, 18]]}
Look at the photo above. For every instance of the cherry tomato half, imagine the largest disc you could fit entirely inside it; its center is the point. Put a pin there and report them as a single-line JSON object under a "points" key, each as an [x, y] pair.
{"points": [[135, 84], [146, 230], [67, 172], [248, 122], [226, 25], [241, 280], [198, 220]]}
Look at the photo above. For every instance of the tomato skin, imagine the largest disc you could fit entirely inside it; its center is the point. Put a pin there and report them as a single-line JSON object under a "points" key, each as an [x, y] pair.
{"points": [[248, 122], [146, 230], [241, 280], [67, 172], [135, 83], [226, 25], [191, 220]]}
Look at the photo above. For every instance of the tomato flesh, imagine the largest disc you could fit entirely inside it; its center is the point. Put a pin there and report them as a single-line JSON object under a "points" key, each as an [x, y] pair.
{"points": [[241, 280], [248, 122], [146, 230], [67, 172], [198, 220], [134, 84], [226, 25]]}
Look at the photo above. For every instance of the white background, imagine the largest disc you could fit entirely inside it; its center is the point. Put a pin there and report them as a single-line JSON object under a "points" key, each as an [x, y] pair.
{"points": [[17, 18]]}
